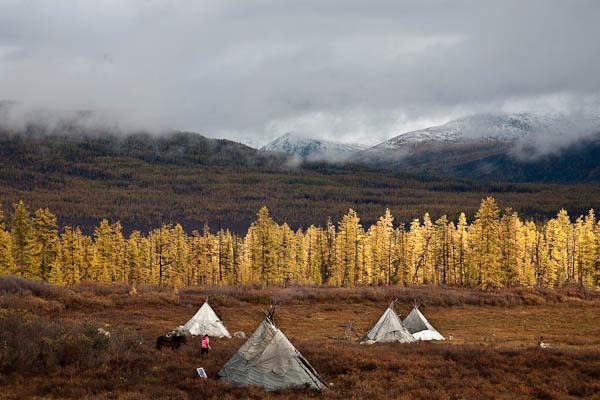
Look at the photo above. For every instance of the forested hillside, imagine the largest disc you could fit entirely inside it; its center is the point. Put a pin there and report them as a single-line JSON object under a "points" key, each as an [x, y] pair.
{"points": [[481, 160], [495, 249], [144, 181]]}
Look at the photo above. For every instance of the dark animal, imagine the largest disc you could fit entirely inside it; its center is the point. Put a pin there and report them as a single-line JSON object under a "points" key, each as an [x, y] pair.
{"points": [[170, 341]]}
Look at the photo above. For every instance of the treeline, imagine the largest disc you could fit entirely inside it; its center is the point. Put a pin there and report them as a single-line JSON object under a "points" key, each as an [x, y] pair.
{"points": [[497, 249]]}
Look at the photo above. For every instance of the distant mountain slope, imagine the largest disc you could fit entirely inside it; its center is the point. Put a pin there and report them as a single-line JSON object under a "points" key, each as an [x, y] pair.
{"points": [[486, 127], [577, 162], [312, 149], [514, 147], [174, 147]]}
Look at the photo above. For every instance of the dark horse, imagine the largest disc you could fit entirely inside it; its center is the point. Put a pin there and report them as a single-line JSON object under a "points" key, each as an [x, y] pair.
{"points": [[170, 341]]}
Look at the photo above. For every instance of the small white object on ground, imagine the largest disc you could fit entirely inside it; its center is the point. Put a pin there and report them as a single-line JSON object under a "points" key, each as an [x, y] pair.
{"points": [[240, 335], [104, 332], [427, 335], [201, 373]]}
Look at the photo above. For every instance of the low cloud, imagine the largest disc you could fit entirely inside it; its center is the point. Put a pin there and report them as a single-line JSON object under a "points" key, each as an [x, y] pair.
{"points": [[16, 117], [251, 71], [561, 132]]}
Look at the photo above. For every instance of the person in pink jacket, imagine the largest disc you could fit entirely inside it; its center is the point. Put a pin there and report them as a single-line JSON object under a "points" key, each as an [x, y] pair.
{"points": [[205, 345]]}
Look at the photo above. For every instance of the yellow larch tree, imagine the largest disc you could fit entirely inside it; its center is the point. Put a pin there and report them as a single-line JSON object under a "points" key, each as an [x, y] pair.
{"points": [[264, 246], [88, 255], [197, 259], [55, 275], [381, 243], [135, 275], [104, 255], [120, 270], [428, 256], [415, 250], [287, 269], [347, 266], [545, 267], [304, 276], [45, 236], [72, 257], [226, 257], [177, 252], [328, 250], [461, 241], [23, 244], [511, 248], [596, 281], [401, 268], [313, 254], [586, 251], [6, 252], [210, 255], [238, 260], [485, 244], [366, 260], [558, 232], [441, 251], [527, 274]]}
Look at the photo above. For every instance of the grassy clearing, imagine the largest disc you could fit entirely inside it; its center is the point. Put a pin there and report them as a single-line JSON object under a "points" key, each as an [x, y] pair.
{"points": [[493, 354]]}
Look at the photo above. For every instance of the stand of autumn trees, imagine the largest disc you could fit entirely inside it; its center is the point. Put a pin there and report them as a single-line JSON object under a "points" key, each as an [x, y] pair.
{"points": [[496, 249]]}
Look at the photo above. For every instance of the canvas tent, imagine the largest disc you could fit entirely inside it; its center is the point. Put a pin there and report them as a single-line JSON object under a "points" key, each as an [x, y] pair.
{"points": [[206, 322], [419, 327], [269, 360], [389, 328]]}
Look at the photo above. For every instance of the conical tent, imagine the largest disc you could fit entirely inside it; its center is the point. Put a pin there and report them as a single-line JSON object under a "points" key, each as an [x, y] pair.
{"points": [[389, 328], [419, 327], [206, 322], [269, 360]]}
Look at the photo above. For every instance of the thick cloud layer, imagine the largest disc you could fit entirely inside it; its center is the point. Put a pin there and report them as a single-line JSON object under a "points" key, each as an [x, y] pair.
{"points": [[252, 70]]}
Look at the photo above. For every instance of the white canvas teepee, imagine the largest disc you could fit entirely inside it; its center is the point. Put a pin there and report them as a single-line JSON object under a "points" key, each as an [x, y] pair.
{"points": [[389, 328], [419, 327], [206, 322], [270, 361]]}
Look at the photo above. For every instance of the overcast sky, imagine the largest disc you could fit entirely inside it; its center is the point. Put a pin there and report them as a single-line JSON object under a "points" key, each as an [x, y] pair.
{"points": [[252, 70]]}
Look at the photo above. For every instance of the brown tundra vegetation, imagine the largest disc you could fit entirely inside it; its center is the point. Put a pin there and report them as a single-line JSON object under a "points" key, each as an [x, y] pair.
{"points": [[50, 345]]}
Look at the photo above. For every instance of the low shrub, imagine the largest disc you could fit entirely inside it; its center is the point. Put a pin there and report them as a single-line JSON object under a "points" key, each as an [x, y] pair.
{"points": [[10, 284], [29, 344], [32, 303]]}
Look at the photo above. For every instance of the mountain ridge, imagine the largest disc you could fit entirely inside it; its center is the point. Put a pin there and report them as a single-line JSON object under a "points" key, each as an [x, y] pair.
{"points": [[492, 147], [312, 149], [508, 147]]}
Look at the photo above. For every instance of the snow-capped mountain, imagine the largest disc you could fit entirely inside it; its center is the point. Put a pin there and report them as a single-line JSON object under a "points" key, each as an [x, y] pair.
{"points": [[496, 146], [312, 149], [248, 141], [482, 127], [487, 129]]}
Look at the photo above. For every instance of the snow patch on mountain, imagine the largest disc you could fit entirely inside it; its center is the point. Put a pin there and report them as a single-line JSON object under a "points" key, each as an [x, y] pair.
{"points": [[313, 149]]}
